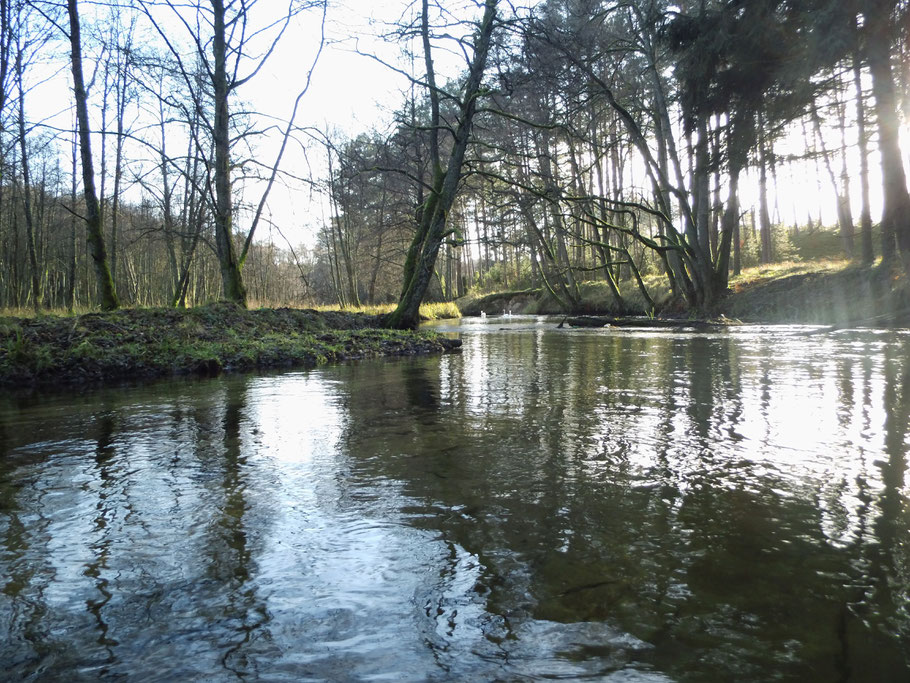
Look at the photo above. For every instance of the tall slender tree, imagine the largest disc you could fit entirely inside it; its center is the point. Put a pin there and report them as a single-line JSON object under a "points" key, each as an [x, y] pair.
{"points": [[881, 31], [865, 220], [24, 42], [225, 58], [93, 224]]}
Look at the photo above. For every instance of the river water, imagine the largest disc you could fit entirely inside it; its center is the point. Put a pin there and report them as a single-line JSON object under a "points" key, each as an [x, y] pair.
{"points": [[610, 505]]}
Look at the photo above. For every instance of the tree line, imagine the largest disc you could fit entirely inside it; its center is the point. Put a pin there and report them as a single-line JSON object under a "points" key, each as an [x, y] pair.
{"points": [[137, 198], [583, 139], [615, 137]]}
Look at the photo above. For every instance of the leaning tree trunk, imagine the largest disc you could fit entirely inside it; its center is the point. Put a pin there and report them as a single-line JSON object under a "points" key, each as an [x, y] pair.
{"points": [[431, 230], [109, 300]]}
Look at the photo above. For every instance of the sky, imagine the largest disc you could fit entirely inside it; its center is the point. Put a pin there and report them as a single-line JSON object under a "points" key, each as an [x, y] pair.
{"points": [[348, 94], [351, 93], [348, 90]]}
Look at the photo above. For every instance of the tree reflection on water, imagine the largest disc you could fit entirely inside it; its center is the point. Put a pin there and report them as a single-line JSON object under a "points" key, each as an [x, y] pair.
{"points": [[546, 503]]}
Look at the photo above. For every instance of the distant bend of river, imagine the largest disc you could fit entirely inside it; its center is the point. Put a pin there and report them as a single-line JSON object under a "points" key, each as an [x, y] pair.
{"points": [[619, 505]]}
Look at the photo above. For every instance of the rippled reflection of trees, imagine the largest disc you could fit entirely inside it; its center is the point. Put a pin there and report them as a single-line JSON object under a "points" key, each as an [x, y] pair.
{"points": [[137, 513], [646, 482]]}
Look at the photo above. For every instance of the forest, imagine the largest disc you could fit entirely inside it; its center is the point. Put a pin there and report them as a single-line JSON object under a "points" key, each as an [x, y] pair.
{"points": [[641, 144]]}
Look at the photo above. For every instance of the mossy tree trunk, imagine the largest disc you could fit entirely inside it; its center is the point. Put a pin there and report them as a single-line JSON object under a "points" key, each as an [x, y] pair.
{"points": [[72, 253], [432, 219], [231, 277]]}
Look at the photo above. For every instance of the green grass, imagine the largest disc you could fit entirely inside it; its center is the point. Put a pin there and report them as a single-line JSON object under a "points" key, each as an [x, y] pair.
{"points": [[208, 339], [758, 275], [826, 244]]}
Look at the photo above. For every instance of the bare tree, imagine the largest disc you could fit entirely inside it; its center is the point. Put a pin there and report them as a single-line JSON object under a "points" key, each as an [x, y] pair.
{"points": [[93, 221], [222, 37], [28, 38]]}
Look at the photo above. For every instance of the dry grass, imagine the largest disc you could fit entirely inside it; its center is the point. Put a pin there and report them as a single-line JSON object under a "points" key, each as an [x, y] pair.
{"points": [[760, 275], [23, 312], [428, 311]]}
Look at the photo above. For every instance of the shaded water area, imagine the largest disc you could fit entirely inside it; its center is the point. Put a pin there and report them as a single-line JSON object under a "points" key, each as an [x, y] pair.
{"points": [[595, 504]]}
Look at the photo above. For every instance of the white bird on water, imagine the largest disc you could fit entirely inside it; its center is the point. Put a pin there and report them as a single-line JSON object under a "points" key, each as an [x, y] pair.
{"points": [[483, 314]]}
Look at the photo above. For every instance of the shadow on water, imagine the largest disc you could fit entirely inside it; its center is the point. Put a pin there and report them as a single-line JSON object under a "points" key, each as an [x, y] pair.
{"points": [[230, 549], [885, 598], [422, 390], [27, 570], [655, 506], [135, 508]]}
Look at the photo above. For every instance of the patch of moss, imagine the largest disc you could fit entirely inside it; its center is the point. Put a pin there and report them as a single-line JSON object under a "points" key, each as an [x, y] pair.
{"points": [[206, 340]]}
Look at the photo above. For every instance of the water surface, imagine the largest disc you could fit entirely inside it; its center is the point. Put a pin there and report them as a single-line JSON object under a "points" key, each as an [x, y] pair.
{"points": [[595, 504]]}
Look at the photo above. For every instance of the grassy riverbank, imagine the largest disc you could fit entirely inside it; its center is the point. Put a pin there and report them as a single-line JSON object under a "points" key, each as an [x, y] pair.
{"points": [[817, 287], [812, 292], [824, 293], [145, 343]]}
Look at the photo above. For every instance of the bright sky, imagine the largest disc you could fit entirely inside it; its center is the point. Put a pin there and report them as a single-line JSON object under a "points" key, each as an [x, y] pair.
{"points": [[349, 93], [353, 93], [347, 88]]}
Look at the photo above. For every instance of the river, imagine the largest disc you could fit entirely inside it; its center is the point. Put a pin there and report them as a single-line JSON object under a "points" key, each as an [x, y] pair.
{"points": [[619, 505]]}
